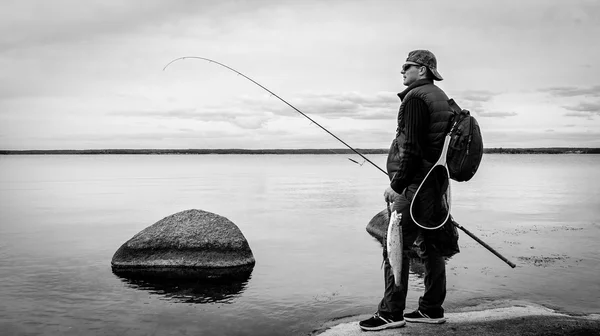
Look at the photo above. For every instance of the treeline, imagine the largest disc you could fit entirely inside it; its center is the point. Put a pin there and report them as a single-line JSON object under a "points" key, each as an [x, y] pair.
{"points": [[552, 150], [188, 151]]}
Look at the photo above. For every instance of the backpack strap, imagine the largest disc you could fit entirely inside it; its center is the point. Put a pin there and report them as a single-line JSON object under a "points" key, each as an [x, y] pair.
{"points": [[456, 110]]}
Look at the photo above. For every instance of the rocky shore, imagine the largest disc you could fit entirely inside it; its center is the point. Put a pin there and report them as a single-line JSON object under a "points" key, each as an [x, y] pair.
{"points": [[495, 318]]}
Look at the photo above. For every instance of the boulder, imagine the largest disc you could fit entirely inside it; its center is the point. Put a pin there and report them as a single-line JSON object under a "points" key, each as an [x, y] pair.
{"points": [[187, 239], [378, 225], [377, 228]]}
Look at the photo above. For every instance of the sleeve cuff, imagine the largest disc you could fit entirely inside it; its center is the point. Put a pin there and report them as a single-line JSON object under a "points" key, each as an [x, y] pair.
{"points": [[397, 185]]}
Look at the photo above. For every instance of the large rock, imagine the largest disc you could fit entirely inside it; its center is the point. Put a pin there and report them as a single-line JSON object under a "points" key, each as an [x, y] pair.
{"points": [[187, 239], [378, 225], [377, 228]]}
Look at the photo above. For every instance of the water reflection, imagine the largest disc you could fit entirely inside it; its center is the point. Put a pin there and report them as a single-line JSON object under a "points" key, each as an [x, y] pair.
{"points": [[417, 267], [189, 285]]}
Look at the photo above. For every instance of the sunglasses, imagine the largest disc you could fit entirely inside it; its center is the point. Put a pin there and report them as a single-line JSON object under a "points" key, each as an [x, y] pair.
{"points": [[405, 67]]}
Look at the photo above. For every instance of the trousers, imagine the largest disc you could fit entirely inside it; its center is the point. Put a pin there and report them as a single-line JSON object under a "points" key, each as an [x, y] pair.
{"points": [[393, 302]]}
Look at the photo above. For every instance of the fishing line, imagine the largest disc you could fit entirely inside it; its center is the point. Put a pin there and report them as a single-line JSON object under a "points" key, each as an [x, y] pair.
{"points": [[283, 100]]}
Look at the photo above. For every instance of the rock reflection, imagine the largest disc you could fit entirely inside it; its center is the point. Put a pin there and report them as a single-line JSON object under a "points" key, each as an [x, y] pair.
{"points": [[189, 285]]}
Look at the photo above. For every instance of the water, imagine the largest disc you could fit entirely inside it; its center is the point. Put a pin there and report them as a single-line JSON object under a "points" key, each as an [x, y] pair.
{"points": [[63, 217]]}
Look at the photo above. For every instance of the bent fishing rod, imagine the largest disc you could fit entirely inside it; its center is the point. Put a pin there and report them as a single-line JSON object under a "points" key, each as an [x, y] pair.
{"points": [[489, 248], [283, 100]]}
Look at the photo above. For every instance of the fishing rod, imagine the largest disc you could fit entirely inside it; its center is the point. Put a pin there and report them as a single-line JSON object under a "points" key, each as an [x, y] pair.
{"points": [[283, 100], [489, 248]]}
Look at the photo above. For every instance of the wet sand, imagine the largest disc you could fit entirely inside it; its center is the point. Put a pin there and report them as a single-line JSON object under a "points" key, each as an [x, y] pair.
{"points": [[493, 318]]}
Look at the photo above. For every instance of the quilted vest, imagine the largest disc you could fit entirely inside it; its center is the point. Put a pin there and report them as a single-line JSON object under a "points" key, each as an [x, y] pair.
{"points": [[439, 116]]}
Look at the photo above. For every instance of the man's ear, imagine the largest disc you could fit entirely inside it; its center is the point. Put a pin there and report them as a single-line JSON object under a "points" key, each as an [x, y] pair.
{"points": [[423, 72]]}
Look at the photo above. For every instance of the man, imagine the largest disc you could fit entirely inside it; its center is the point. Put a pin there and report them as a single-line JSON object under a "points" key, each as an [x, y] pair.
{"points": [[422, 124]]}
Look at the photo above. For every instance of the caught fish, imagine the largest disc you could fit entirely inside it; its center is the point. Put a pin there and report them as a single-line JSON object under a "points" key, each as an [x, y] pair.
{"points": [[394, 245]]}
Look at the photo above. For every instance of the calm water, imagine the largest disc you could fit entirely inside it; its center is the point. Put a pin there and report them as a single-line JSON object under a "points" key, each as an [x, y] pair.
{"points": [[63, 217]]}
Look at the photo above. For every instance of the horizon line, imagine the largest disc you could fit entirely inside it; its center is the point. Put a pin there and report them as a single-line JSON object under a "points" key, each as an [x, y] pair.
{"points": [[273, 150]]}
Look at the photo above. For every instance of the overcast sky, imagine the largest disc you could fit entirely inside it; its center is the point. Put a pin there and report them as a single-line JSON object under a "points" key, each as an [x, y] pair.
{"points": [[89, 74]]}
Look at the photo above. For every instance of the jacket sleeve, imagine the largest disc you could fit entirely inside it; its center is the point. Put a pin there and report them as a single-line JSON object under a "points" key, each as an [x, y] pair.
{"points": [[416, 119]]}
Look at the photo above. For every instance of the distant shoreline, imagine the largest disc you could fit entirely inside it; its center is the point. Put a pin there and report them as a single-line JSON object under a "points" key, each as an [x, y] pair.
{"points": [[550, 150]]}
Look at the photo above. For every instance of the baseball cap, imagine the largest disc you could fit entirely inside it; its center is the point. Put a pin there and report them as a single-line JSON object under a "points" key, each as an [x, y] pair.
{"points": [[425, 58]]}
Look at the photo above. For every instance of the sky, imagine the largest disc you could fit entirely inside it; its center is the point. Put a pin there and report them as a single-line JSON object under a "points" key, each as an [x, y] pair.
{"points": [[89, 74]]}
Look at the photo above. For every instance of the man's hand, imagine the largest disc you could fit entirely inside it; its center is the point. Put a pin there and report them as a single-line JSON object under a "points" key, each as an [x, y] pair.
{"points": [[390, 195]]}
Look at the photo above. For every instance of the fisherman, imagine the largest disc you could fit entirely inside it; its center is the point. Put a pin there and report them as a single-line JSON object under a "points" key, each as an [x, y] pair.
{"points": [[422, 120]]}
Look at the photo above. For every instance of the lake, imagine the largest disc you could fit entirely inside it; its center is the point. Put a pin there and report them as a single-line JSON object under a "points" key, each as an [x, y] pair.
{"points": [[63, 217]]}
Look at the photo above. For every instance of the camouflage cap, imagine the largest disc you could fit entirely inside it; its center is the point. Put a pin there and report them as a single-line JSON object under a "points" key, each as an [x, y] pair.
{"points": [[426, 58]]}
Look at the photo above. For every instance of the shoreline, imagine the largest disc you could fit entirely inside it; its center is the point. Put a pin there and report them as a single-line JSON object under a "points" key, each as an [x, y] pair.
{"points": [[328, 151], [503, 317]]}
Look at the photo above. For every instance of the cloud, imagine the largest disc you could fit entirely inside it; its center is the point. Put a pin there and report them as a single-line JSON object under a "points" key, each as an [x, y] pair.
{"points": [[584, 109], [254, 112], [249, 122], [573, 91], [476, 95], [496, 114], [473, 100], [181, 113], [43, 22], [532, 139], [354, 105], [476, 101], [233, 116]]}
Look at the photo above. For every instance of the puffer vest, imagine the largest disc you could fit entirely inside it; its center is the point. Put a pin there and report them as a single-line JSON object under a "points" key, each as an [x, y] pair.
{"points": [[439, 117]]}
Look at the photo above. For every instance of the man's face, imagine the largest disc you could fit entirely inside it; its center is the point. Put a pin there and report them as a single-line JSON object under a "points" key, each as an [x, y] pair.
{"points": [[410, 73]]}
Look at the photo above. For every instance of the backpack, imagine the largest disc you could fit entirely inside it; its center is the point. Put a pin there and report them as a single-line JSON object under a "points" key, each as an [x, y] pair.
{"points": [[466, 144]]}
